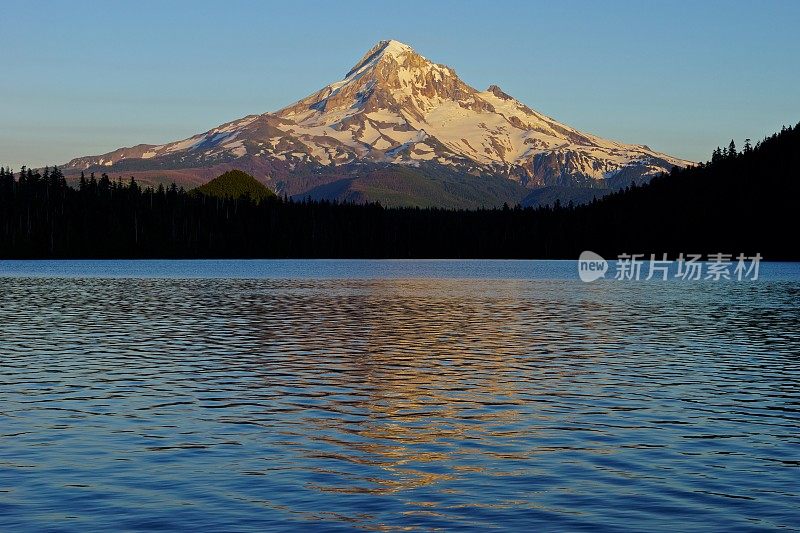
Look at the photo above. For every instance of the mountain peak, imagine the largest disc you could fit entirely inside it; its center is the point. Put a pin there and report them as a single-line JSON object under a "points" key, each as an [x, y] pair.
{"points": [[384, 49], [394, 47], [395, 106], [391, 76]]}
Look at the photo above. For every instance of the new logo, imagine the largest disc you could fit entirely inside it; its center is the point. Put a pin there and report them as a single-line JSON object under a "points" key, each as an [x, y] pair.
{"points": [[591, 266]]}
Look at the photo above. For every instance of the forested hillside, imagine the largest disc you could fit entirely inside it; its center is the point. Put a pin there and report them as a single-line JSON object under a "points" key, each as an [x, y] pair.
{"points": [[741, 201]]}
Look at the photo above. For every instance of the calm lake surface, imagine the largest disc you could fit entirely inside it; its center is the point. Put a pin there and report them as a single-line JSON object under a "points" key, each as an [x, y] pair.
{"points": [[259, 395]]}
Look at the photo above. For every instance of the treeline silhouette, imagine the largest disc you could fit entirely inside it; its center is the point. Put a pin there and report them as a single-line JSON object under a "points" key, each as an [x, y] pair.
{"points": [[739, 202]]}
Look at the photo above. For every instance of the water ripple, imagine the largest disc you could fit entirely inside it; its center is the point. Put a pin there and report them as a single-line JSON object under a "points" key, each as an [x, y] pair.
{"points": [[236, 404]]}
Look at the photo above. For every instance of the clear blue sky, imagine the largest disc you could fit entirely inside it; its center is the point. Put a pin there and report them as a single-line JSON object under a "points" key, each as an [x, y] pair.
{"points": [[82, 77]]}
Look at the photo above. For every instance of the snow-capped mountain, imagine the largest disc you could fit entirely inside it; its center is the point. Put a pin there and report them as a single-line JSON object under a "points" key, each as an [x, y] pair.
{"points": [[395, 107]]}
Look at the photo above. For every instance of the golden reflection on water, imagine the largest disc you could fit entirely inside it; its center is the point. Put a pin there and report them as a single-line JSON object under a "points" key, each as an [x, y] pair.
{"points": [[409, 345], [438, 365], [448, 402]]}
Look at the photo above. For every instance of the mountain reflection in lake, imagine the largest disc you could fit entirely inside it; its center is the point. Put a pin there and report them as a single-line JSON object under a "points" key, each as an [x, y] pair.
{"points": [[230, 404]]}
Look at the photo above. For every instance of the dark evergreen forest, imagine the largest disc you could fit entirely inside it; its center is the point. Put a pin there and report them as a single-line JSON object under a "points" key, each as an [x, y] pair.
{"points": [[740, 201]]}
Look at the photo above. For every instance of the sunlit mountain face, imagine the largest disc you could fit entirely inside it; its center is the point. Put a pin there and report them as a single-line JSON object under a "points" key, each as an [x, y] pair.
{"points": [[395, 120]]}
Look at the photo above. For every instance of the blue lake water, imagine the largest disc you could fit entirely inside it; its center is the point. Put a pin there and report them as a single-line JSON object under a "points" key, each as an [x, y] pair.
{"points": [[285, 395]]}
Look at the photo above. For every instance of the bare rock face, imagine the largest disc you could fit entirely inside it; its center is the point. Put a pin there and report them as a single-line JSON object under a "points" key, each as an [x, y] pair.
{"points": [[397, 107]]}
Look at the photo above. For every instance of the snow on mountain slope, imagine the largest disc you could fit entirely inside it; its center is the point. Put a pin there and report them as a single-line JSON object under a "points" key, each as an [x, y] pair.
{"points": [[395, 106]]}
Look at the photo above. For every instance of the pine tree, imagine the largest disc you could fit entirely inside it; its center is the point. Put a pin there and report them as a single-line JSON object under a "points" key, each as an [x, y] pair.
{"points": [[732, 149]]}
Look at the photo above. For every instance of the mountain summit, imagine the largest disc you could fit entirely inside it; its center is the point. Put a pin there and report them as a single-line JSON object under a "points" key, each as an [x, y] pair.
{"points": [[395, 107], [391, 77]]}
